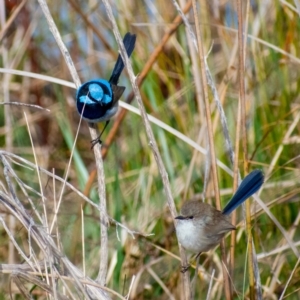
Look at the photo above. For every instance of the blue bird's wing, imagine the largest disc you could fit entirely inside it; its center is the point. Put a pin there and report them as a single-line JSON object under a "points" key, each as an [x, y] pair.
{"points": [[117, 92], [251, 184], [129, 43]]}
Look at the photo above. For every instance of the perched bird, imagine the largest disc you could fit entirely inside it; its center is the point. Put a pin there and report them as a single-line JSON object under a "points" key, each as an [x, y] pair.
{"points": [[97, 100], [201, 227]]}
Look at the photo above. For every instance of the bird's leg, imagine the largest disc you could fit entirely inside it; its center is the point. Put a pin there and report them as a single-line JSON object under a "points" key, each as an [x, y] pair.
{"points": [[98, 140], [184, 268]]}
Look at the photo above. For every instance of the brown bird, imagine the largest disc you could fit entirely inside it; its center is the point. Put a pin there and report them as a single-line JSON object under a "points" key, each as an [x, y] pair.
{"points": [[201, 227]]}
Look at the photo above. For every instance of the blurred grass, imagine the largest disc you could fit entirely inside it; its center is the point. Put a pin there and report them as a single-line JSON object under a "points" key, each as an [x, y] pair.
{"points": [[135, 194]]}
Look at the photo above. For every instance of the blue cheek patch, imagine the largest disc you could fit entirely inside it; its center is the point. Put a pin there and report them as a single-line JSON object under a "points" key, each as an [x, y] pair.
{"points": [[106, 99], [86, 100]]}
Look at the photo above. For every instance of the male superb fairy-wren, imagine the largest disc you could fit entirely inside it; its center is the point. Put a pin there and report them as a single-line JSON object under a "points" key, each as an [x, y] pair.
{"points": [[201, 227], [97, 100]]}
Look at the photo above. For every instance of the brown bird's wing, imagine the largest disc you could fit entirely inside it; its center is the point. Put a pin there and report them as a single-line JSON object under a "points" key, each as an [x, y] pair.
{"points": [[218, 225], [117, 92]]}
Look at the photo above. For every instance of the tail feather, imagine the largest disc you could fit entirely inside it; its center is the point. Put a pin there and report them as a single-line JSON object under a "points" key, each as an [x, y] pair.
{"points": [[129, 43], [251, 184]]}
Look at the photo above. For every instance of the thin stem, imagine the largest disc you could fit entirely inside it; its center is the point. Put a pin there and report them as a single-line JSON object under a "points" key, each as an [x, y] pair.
{"points": [[97, 150], [152, 142], [211, 139]]}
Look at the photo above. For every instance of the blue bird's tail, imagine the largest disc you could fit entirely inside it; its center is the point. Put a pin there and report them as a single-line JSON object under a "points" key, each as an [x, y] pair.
{"points": [[129, 43], [251, 184]]}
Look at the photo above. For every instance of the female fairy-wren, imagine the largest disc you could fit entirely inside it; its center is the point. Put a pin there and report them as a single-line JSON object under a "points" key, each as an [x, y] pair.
{"points": [[201, 227]]}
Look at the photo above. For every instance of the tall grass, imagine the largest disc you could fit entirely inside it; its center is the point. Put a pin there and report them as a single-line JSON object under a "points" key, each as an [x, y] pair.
{"points": [[143, 253]]}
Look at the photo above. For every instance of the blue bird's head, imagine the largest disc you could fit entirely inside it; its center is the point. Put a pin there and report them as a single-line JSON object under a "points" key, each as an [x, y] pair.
{"points": [[95, 101]]}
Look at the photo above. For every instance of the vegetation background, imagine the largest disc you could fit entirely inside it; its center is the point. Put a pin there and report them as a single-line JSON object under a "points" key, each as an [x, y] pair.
{"points": [[148, 266]]}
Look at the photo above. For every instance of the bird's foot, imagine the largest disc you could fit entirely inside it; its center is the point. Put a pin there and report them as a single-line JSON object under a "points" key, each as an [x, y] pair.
{"points": [[184, 268], [96, 141]]}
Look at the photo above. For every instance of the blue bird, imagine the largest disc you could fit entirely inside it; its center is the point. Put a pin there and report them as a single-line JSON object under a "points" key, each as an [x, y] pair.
{"points": [[97, 100]]}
